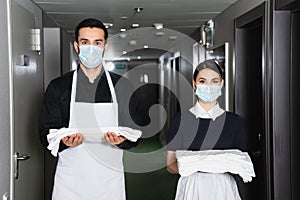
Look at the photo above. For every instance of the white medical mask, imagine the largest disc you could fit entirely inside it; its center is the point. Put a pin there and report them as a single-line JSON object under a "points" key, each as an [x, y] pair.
{"points": [[208, 93], [90, 55]]}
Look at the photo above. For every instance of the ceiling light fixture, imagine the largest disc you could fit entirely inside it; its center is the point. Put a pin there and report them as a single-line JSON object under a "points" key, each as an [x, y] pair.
{"points": [[173, 37], [124, 17], [110, 66], [160, 33], [146, 46], [124, 52], [138, 10], [123, 35], [123, 29], [158, 26], [139, 57], [135, 25], [132, 42], [108, 25]]}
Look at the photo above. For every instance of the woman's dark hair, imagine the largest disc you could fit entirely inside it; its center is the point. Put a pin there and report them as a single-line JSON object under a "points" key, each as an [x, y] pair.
{"points": [[91, 23], [209, 64]]}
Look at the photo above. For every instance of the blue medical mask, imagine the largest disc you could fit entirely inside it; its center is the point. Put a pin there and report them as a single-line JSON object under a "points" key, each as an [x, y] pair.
{"points": [[90, 55], [208, 93]]}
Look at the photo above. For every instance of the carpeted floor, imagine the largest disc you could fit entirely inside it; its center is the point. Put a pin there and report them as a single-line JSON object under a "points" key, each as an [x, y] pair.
{"points": [[146, 175]]}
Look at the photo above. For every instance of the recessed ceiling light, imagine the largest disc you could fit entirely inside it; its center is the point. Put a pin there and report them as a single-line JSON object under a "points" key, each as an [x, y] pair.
{"points": [[138, 10], [108, 25], [160, 33], [123, 29], [124, 52], [110, 66], [139, 57], [124, 17], [158, 26], [173, 37], [146, 46], [123, 35], [132, 42], [135, 25]]}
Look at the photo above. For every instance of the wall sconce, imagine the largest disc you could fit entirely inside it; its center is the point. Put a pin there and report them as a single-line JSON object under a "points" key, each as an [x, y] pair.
{"points": [[209, 30], [35, 43], [207, 34]]}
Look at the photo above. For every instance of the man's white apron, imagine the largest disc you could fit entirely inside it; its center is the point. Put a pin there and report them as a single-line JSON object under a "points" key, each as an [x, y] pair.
{"points": [[93, 170]]}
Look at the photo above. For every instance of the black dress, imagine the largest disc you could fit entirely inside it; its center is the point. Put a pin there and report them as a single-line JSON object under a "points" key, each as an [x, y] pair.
{"points": [[188, 132]]}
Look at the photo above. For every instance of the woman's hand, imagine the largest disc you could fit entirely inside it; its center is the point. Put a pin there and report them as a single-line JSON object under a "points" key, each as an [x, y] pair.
{"points": [[73, 140], [113, 139], [172, 166]]}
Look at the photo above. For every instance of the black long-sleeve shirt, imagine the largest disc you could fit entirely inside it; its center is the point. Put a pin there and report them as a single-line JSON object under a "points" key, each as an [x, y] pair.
{"points": [[55, 112]]}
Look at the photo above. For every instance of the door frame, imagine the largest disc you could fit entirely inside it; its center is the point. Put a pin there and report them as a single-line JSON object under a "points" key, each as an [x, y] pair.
{"points": [[38, 18], [262, 11], [286, 162]]}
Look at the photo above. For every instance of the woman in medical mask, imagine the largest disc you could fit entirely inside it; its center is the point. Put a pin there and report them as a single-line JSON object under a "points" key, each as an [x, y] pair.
{"points": [[206, 126]]}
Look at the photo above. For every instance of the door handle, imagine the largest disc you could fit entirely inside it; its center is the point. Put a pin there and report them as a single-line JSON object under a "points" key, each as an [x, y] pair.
{"points": [[23, 157], [5, 196], [18, 158]]}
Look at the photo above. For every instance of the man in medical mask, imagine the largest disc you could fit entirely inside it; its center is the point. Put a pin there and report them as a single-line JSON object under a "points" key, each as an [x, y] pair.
{"points": [[76, 106]]}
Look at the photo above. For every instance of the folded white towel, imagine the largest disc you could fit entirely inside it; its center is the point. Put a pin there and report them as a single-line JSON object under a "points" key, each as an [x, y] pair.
{"points": [[55, 135], [216, 161], [129, 133]]}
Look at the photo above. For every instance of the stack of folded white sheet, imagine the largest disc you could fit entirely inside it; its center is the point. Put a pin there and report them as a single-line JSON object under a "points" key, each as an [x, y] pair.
{"points": [[55, 135], [216, 161]]}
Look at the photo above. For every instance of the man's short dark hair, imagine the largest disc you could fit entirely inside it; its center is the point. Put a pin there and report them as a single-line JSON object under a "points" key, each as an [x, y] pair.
{"points": [[91, 23]]}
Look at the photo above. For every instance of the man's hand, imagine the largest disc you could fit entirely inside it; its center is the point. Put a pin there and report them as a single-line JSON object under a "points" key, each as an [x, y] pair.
{"points": [[73, 140], [112, 138]]}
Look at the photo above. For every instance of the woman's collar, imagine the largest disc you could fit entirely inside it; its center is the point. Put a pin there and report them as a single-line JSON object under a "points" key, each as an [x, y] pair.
{"points": [[200, 112]]}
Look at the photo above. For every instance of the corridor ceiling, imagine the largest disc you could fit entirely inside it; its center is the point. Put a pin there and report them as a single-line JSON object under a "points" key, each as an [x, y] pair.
{"points": [[185, 16], [180, 18]]}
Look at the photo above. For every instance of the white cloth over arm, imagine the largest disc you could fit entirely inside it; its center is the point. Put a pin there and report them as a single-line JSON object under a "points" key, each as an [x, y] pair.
{"points": [[216, 161]]}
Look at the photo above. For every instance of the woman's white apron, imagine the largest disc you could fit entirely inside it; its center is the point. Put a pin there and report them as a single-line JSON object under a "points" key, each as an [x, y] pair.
{"points": [[93, 170], [207, 186]]}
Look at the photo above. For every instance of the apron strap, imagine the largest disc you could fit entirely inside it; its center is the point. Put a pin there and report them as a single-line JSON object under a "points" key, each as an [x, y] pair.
{"points": [[111, 86], [73, 95]]}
